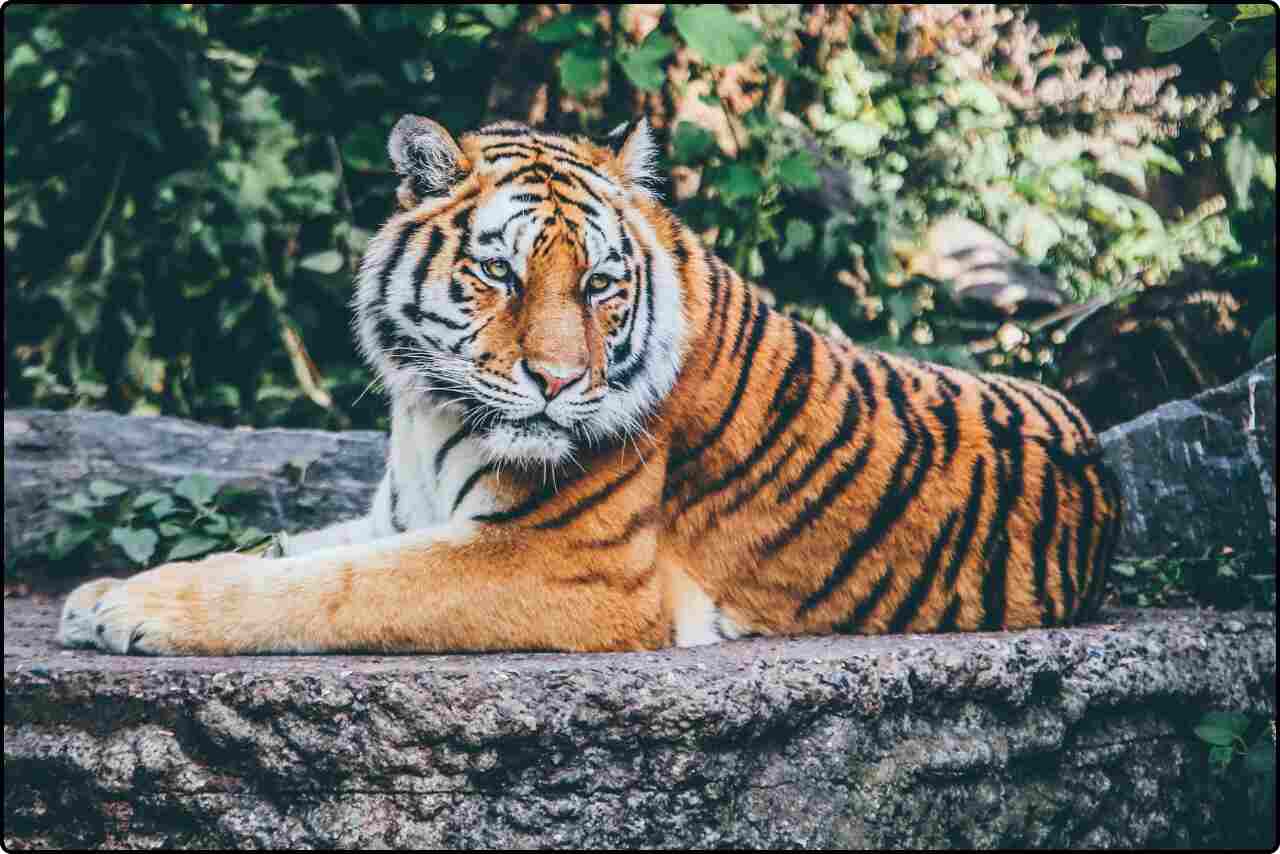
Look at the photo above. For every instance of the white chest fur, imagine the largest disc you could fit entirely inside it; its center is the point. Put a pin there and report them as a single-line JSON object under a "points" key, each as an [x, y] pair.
{"points": [[435, 470]]}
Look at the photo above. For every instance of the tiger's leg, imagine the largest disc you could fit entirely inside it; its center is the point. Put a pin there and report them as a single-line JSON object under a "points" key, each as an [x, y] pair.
{"points": [[456, 587], [76, 627]]}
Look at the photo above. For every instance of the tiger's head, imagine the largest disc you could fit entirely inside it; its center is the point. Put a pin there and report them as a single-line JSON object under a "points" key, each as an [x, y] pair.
{"points": [[525, 281]]}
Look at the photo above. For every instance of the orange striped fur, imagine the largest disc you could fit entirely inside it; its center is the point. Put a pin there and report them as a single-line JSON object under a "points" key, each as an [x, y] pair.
{"points": [[626, 447]]}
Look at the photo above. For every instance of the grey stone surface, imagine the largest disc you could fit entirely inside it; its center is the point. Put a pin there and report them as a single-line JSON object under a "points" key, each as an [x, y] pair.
{"points": [[1200, 473], [49, 455], [1049, 738]]}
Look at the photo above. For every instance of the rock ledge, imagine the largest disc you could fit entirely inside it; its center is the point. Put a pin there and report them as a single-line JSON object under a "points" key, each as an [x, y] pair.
{"points": [[1048, 738]]}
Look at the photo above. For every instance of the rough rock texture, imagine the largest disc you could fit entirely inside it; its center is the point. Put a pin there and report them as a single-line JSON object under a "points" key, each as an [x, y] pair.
{"points": [[1195, 473], [1201, 472], [1047, 738], [299, 478]]}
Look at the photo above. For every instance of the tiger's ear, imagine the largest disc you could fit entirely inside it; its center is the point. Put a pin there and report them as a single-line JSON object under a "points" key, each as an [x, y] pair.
{"points": [[427, 158], [636, 153]]}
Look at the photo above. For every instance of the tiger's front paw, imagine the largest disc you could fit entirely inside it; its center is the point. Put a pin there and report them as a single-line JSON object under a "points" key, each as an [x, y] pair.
{"points": [[174, 609]]}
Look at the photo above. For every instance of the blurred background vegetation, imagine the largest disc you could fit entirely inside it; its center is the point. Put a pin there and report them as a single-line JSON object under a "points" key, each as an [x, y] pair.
{"points": [[188, 189]]}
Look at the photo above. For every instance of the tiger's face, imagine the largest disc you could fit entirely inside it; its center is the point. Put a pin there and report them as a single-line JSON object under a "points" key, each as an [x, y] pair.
{"points": [[525, 283]]}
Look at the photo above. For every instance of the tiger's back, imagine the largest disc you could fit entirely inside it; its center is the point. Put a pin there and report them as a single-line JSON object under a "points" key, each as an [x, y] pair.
{"points": [[818, 486]]}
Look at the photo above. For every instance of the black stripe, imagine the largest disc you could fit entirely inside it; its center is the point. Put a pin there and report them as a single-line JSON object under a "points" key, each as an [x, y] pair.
{"points": [[1064, 576], [744, 375], [388, 270], [842, 437], [854, 623], [747, 308], [909, 607], [395, 500], [973, 508], [522, 171], [535, 500], [948, 621], [787, 403], [719, 308], [590, 501], [1084, 533], [641, 361], [1041, 537], [424, 264], [449, 445], [896, 498], [1081, 430], [814, 508], [749, 492], [468, 484], [638, 522], [1007, 440]]}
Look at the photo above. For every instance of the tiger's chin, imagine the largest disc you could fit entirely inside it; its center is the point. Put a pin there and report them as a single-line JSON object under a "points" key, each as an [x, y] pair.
{"points": [[529, 442]]}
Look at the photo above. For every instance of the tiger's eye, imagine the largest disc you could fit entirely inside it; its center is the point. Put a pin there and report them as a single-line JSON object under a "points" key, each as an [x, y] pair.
{"points": [[496, 268], [598, 283]]}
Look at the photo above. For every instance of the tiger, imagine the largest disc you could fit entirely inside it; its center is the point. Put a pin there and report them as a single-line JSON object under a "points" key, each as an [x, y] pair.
{"points": [[604, 439]]}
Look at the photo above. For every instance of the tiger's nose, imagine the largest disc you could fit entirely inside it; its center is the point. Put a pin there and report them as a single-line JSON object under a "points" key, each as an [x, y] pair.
{"points": [[552, 379]]}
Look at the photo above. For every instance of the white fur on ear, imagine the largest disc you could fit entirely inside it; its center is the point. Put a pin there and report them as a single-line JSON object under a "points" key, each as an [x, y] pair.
{"points": [[637, 153], [426, 156]]}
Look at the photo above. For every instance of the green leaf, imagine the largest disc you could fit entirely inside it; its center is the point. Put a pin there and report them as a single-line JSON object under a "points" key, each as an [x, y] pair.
{"points": [[106, 489], [1215, 735], [643, 66], [1246, 11], [715, 33], [501, 15], [191, 546], [1234, 722], [1240, 161], [163, 507], [216, 525], [1264, 339], [148, 498], [250, 536], [692, 143], [328, 262], [581, 68], [365, 148], [1220, 755], [565, 28], [1177, 27], [737, 181], [171, 529], [799, 237], [139, 545], [197, 488], [77, 504], [1267, 74], [797, 171], [67, 540]]}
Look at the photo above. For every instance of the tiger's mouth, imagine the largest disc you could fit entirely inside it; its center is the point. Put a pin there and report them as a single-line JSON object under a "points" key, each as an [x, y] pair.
{"points": [[531, 439], [535, 423]]}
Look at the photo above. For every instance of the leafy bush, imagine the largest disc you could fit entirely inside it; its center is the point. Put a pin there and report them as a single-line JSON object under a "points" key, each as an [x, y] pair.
{"points": [[188, 188], [149, 527]]}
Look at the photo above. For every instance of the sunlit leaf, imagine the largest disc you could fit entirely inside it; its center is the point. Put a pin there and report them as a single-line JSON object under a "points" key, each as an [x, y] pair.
{"points": [[139, 545], [718, 36], [191, 546], [1177, 27]]}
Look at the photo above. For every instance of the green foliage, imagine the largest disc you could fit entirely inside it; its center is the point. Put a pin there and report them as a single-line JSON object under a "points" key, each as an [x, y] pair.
{"points": [[188, 189], [1244, 750], [196, 517], [1223, 578]]}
